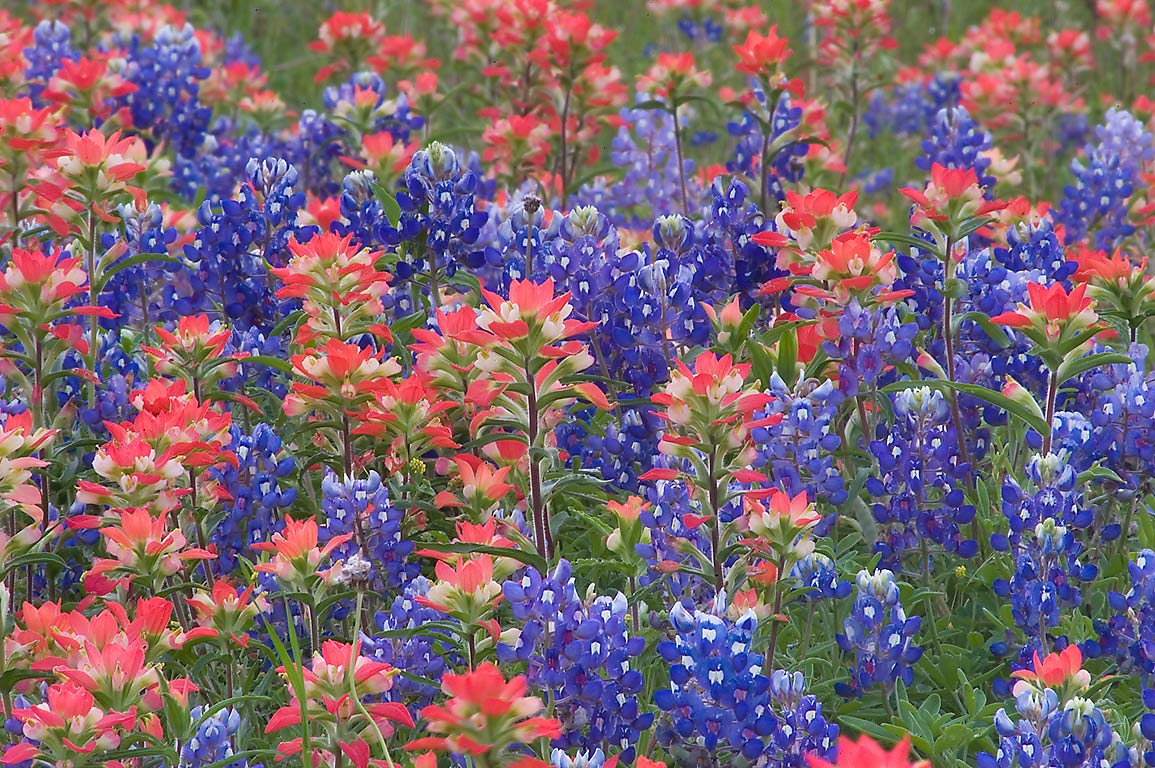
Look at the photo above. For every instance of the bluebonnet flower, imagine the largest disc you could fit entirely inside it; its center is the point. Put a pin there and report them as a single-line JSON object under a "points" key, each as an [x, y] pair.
{"points": [[1043, 520], [798, 452], [1095, 205], [955, 140], [878, 182], [361, 507], [51, 44], [257, 491], [880, 635], [683, 273], [524, 237], [1034, 246], [1050, 732], [630, 293], [785, 166], [817, 574], [213, 740], [317, 148], [583, 654], [559, 759], [438, 216], [997, 281], [254, 342], [166, 103], [362, 212], [729, 224], [920, 485], [718, 703], [239, 51], [621, 451], [665, 519], [221, 156], [132, 291], [426, 654], [911, 107], [236, 243], [1052, 493], [706, 30], [644, 147], [1129, 633], [802, 728], [579, 259], [1122, 419], [871, 341]]}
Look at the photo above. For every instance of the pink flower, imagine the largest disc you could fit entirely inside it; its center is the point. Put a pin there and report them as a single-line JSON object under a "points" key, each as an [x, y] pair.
{"points": [[866, 753], [296, 555]]}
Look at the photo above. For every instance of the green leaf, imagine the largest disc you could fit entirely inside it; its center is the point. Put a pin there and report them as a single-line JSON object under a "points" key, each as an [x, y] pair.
{"points": [[994, 332], [1098, 472], [140, 258], [388, 204], [284, 366], [761, 364], [1072, 368], [653, 104], [9, 679], [954, 288], [34, 558], [289, 321], [971, 226], [916, 242], [1032, 418], [788, 358], [879, 732]]}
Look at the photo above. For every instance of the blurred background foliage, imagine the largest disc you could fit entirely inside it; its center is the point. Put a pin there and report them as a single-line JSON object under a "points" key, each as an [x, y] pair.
{"points": [[280, 30]]}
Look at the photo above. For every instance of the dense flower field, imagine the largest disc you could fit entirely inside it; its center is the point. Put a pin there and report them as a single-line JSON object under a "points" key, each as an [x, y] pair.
{"points": [[773, 396]]}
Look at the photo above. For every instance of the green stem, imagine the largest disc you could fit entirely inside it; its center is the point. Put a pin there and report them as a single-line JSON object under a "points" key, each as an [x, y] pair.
{"points": [[715, 527], [536, 502], [93, 296], [809, 624], [681, 160], [353, 681], [777, 609], [1052, 398]]}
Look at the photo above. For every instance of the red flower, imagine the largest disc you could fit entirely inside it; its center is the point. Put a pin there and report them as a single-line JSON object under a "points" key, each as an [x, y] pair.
{"points": [[530, 306], [671, 72], [144, 547], [115, 159], [466, 588], [482, 486], [950, 193], [66, 725], [762, 55], [296, 554], [1052, 311], [485, 715], [344, 372], [227, 611], [1057, 670], [866, 753], [855, 268]]}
